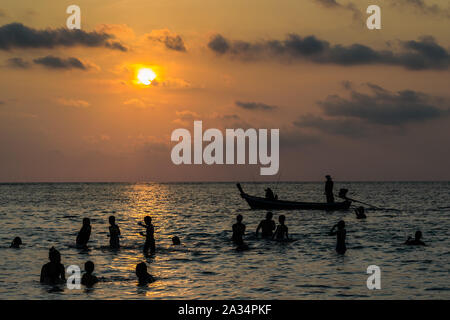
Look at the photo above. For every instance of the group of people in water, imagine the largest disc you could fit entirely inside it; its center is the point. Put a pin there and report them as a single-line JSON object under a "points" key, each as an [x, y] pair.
{"points": [[269, 230], [53, 272]]}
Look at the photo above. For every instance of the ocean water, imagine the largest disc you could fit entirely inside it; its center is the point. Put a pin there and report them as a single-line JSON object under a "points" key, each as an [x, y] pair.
{"points": [[207, 266]]}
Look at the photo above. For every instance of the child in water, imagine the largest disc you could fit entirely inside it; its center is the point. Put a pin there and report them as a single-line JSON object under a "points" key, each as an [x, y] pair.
{"points": [[84, 234], [114, 233], [176, 241], [360, 213], [281, 233], [144, 277], [416, 241], [88, 278], [340, 236], [238, 231], [53, 272], [16, 243], [149, 236]]}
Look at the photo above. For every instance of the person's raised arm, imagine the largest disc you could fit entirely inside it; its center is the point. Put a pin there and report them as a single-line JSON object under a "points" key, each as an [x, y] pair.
{"points": [[332, 232], [258, 228]]}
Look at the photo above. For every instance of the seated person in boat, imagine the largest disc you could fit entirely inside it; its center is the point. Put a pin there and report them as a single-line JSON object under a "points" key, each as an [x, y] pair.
{"points": [[360, 213], [340, 234], [281, 233], [238, 231], [266, 226], [416, 241], [270, 195]]}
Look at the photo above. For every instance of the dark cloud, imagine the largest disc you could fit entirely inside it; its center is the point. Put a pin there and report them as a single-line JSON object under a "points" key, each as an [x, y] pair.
{"points": [[384, 107], [422, 54], [219, 44], [17, 35], [345, 127], [255, 106], [18, 63], [171, 41], [52, 62], [174, 43]]}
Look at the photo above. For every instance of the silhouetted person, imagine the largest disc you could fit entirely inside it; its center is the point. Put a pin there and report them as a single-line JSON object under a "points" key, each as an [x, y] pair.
{"points": [[84, 234], [238, 231], [149, 236], [360, 213], [16, 243], [340, 233], [270, 194], [267, 226], [329, 184], [416, 241], [53, 272], [143, 276], [114, 233], [88, 278], [281, 233], [176, 241]]}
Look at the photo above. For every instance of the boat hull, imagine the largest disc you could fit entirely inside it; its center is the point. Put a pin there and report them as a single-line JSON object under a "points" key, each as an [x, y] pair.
{"points": [[268, 204]]}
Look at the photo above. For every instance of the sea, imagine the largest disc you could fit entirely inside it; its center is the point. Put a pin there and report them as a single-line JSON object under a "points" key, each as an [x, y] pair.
{"points": [[207, 265]]}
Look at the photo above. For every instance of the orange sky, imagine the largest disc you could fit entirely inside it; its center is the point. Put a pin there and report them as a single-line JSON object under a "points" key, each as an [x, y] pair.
{"points": [[66, 123]]}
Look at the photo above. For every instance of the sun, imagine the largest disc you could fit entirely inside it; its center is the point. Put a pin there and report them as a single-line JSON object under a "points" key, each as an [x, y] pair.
{"points": [[146, 76]]}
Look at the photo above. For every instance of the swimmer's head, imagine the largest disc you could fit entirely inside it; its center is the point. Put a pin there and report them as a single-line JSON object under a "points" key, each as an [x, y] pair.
{"points": [[148, 220], [418, 235], [282, 218], [112, 220], [269, 215], [361, 209], [239, 218], [89, 267], [16, 242], [54, 255], [176, 241], [141, 269], [86, 222], [341, 224]]}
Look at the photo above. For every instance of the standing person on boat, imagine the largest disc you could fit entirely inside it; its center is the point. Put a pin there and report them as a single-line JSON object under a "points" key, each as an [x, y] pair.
{"points": [[329, 184], [267, 226], [340, 234], [238, 231]]}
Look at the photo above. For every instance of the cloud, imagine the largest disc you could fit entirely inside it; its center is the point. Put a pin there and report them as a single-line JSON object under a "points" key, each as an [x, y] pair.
{"points": [[170, 40], [333, 4], [345, 127], [185, 117], [255, 106], [17, 35], [75, 103], [135, 102], [53, 62], [384, 107], [422, 54], [420, 6], [18, 63]]}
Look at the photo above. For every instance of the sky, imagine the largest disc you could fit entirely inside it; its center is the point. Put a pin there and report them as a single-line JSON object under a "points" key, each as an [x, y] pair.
{"points": [[359, 104]]}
